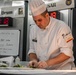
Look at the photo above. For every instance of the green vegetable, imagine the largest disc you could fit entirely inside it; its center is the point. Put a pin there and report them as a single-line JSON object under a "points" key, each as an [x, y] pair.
{"points": [[17, 65], [3, 65], [32, 67]]}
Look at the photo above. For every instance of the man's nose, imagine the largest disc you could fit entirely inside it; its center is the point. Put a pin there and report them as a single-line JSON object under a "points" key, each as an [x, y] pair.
{"points": [[38, 23]]}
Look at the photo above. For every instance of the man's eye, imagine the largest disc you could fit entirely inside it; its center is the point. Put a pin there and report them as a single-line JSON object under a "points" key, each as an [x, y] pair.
{"points": [[39, 20]]}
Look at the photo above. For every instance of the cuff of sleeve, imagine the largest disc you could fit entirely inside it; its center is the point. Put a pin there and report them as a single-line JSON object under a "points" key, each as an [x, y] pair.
{"points": [[31, 51], [67, 51]]}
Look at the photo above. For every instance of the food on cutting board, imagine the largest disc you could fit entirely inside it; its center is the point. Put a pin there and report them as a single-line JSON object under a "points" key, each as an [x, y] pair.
{"points": [[3, 66], [17, 65], [32, 67]]}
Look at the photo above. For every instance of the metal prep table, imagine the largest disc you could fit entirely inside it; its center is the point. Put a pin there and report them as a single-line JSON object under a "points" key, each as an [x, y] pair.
{"points": [[30, 71], [38, 72]]}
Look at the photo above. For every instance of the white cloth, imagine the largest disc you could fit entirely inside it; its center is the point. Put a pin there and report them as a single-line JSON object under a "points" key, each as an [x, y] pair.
{"points": [[51, 41], [8, 60]]}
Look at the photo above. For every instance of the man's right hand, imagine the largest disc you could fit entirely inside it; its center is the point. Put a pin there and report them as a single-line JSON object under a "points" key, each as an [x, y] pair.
{"points": [[33, 64]]}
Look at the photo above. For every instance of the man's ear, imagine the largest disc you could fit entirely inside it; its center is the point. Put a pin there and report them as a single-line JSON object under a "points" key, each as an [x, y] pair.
{"points": [[47, 14]]}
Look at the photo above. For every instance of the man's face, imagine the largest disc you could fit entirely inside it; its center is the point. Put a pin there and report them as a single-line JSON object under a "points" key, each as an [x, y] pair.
{"points": [[41, 21]]}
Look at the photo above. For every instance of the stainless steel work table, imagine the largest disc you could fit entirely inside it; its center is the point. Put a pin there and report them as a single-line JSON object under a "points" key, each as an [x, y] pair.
{"points": [[31, 71], [39, 72]]}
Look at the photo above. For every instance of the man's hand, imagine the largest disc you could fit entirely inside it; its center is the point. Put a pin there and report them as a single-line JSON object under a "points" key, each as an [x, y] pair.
{"points": [[33, 64], [42, 64]]}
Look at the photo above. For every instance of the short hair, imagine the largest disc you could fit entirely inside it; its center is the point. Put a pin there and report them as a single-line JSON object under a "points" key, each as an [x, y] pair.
{"points": [[44, 13]]}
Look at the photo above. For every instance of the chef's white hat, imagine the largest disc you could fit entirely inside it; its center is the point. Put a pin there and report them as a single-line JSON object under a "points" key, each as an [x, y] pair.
{"points": [[37, 7]]}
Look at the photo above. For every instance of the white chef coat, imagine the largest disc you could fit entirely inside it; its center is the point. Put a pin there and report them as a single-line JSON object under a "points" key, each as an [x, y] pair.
{"points": [[50, 42]]}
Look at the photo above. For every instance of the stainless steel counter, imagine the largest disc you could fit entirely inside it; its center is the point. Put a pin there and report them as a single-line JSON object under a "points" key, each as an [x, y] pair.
{"points": [[30, 71], [40, 72]]}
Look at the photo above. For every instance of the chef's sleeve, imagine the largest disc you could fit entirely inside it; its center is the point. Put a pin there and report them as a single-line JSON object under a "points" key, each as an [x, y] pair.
{"points": [[65, 41]]}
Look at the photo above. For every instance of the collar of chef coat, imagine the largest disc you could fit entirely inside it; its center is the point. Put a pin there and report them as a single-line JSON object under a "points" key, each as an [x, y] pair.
{"points": [[47, 27]]}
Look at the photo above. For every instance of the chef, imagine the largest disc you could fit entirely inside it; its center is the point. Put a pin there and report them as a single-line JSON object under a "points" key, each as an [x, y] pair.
{"points": [[51, 40]]}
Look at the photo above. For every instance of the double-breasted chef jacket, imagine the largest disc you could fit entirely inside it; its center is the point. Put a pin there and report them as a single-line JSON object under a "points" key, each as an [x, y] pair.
{"points": [[50, 42]]}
